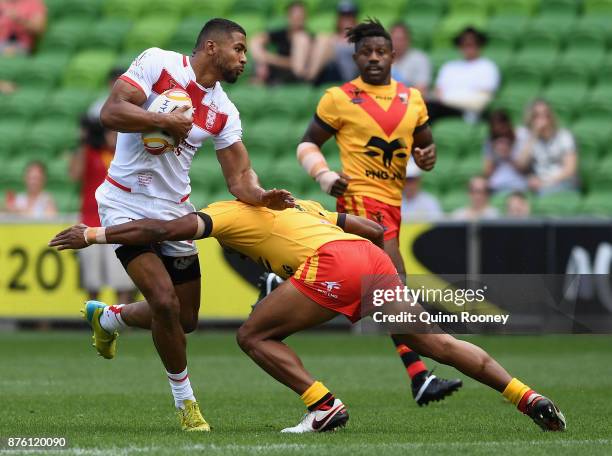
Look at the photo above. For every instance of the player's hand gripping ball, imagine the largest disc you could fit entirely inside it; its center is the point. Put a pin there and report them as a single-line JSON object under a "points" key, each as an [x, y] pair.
{"points": [[159, 142]]}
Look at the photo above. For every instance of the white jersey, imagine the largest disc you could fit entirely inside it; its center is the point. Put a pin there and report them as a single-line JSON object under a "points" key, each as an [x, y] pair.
{"points": [[166, 176]]}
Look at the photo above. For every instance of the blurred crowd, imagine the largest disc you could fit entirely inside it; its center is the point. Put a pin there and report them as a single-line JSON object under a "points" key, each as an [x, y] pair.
{"points": [[538, 157]]}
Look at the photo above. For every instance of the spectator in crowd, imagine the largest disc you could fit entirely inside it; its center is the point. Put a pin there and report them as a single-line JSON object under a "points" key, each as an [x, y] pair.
{"points": [[35, 202], [500, 155], [7, 87], [517, 205], [93, 112], [418, 205], [332, 55], [22, 22], [465, 87], [411, 66], [291, 49], [99, 264], [479, 207], [547, 150]]}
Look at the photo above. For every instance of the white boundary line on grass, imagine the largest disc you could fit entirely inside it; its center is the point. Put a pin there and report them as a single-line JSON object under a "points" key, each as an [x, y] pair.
{"points": [[285, 447]]}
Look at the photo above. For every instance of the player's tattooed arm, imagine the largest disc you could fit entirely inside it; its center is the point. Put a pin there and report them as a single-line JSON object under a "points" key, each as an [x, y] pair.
{"points": [[137, 232], [363, 227], [243, 183], [423, 148], [122, 112]]}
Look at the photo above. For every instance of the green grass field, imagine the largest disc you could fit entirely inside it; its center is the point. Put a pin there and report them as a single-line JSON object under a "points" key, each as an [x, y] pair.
{"points": [[53, 384]]}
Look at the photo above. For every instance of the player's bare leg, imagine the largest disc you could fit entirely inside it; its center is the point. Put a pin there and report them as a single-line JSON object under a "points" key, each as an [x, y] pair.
{"points": [[282, 313], [425, 387]]}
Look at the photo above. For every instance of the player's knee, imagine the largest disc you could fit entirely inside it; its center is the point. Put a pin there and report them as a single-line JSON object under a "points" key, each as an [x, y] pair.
{"points": [[246, 338], [189, 324], [165, 305]]}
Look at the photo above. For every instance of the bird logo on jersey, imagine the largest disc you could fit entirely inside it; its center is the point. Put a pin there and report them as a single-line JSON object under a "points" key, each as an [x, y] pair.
{"points": [[388, 149], [331, 286]]}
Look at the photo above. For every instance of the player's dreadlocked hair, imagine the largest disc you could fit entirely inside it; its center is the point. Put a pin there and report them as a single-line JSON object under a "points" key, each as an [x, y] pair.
{"points": [[371, 27]]}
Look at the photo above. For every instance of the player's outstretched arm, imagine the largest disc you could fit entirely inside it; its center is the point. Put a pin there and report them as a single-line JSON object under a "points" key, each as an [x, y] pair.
{"points": [[122, 112], [365, 228], [137, 232], [243, 183]]}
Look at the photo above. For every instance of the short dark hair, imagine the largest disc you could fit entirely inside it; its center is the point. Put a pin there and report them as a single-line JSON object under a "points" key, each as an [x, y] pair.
{"points": [[218, 26], [367, 29]]}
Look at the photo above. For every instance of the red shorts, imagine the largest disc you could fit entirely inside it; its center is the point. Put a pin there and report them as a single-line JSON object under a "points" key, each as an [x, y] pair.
{"points": [[390, 217], [335, 276]]}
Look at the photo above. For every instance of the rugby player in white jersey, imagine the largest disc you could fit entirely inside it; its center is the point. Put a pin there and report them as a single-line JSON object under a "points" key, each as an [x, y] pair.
{"points": [[141, 185]]}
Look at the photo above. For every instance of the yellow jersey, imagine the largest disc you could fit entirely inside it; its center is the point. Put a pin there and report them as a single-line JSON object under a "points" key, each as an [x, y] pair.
{"points": [[374, 128], [278, 240]]}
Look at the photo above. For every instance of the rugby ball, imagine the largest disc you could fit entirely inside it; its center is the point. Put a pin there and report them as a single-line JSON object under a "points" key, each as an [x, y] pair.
{"points": [[159, 142]]}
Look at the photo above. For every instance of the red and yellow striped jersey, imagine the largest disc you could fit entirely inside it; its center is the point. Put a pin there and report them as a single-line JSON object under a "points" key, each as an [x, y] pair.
{"points": [[374, 127], [278, 240]]}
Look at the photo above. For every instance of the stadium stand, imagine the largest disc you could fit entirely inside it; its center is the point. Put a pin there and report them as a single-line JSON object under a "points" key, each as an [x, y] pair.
{"points": [[558, 49]]}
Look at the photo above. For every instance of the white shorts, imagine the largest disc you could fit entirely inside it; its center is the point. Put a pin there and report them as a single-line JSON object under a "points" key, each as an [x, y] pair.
{"points": [[100, 267], [116, 206]]}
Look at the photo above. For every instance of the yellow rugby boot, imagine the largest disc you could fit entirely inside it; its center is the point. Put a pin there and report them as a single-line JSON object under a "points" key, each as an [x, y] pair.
{"points": [[191, 417], [105, 342]]}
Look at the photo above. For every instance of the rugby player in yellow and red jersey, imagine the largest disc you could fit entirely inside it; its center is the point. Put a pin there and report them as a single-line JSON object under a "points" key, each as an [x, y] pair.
{"points": [[377, 123], [325, 261]]}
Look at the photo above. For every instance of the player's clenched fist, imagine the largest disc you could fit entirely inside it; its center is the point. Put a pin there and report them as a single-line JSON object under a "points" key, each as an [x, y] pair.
{"points": [[425, 158], [177, 123]]}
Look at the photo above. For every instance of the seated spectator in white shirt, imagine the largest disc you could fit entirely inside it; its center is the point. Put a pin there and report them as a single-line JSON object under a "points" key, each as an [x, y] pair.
{"points": [[548, 151], [465, 87], [501, 150], [479, 207], [517, 205], [418, 205], [34, 202], [411, 66]]}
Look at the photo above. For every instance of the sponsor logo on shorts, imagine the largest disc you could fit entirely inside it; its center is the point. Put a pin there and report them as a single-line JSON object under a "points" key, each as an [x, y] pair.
{"points": [[330, 286], [183, 263]]}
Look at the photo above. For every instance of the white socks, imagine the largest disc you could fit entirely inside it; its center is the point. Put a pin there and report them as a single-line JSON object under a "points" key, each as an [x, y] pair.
{"points": [[181, 388], [111, 320]]}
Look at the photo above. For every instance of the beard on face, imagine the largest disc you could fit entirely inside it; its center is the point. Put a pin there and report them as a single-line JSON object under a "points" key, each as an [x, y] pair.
{"points": [[227, 74]]}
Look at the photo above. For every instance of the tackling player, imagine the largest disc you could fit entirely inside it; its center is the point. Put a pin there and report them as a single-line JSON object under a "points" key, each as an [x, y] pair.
{"points": [[140, 185], [377, 123], [324, 265]]}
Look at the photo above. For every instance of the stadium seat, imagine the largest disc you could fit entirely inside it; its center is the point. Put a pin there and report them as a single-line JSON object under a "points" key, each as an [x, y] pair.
{"points": [[601, 179], [504, 31], [418, 10], [263, 8], [440, 56], [108, 33], [251, 22], [596, 107], [218, 8], [321, 23], [270, 137], [451, 25], [44, 70], [514, 98], [185, 35], [598, 7], [89, 69], [174, 8], [57, 172], [454, 200], [27, 103], [451, 136], [557, 204], [593, 137], [291, 101], [501, 56], [67, 198], [515, 7], [590, 33], [545, 34], [604, 73], [12, 132], [421, 32], [597, 203], [566, 99], [589, 59], [152, 31], [82, 9], [65, 35], [248, 100], [126, 9], [12, 172], [395, 8], [69, 103], [48, 138], [205, 173], [125, 59], [468, 7], [11, 68], [56, 8], [559, 8], [470, 165], [532, 65]]}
